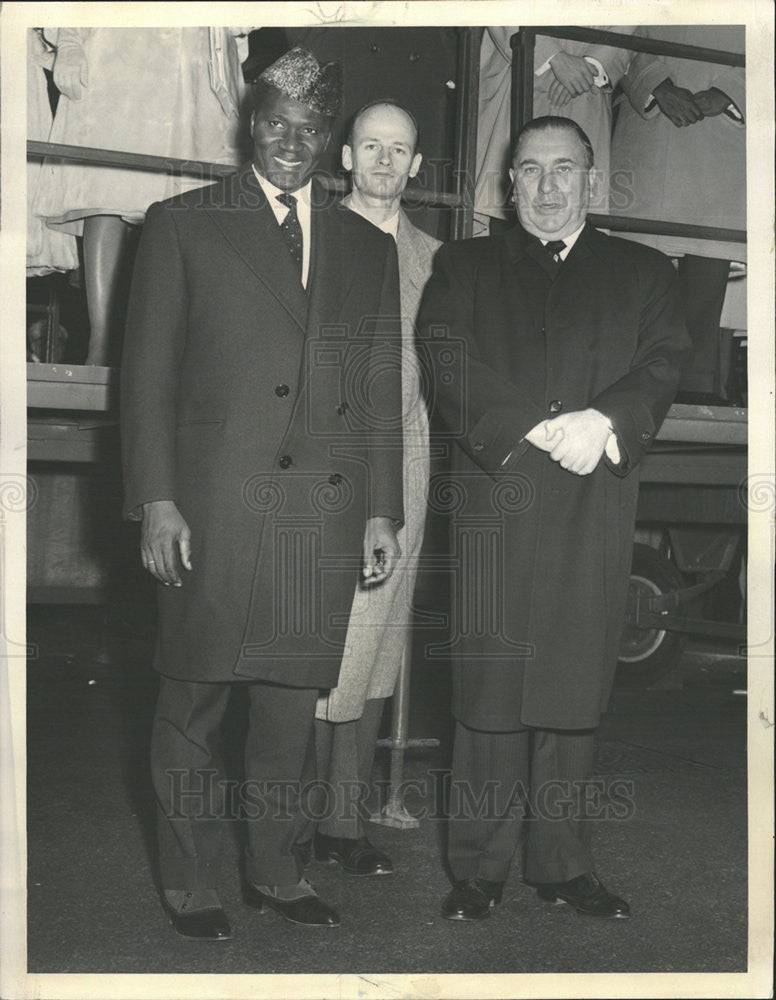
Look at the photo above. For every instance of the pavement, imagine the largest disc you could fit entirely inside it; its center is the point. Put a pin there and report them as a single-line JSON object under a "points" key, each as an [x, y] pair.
{"points": [[674, 753]]}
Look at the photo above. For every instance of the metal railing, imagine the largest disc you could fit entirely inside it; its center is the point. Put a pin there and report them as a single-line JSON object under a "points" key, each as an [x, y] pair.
{"points": [[522, 44]]}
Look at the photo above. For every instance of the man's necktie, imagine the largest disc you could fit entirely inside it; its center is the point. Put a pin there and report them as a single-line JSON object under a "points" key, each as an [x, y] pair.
{"points": [[291, 229], [554, 248]]}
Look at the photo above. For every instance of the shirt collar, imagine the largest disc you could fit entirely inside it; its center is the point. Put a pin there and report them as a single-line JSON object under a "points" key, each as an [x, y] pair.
{"points": [[302, 194], [569, 240]]}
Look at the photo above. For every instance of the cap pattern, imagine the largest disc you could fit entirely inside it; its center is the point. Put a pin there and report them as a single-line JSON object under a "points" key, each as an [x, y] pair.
{"points": [[300, 76]]}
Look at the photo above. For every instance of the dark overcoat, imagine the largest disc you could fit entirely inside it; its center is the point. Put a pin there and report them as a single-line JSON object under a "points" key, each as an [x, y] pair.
{"points": [[270, 414], [540, 557]]}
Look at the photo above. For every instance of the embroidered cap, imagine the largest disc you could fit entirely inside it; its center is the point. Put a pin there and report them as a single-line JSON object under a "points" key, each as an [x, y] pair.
{"points": [[300, 76]]}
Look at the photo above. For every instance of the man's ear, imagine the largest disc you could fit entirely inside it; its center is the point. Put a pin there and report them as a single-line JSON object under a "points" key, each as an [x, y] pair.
{"points": [[417, 159], [511, 177], [253, 120], [347, 157], [596, 188]]}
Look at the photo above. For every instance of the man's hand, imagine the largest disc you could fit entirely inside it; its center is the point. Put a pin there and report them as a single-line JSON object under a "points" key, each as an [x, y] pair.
{"points": [[575, 440], [677, 103], [163, 537], [712, 101], [573, 72], [558, 95], [71, 71], [381, 549]]}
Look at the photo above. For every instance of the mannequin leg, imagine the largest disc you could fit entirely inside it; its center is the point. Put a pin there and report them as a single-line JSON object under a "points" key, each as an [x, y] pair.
{"points": [[106, 239]]}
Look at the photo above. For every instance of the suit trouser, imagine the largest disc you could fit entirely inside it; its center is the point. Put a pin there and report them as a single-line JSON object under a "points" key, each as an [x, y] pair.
{"points": [[501, 779], [189, 780], [345, 753]]}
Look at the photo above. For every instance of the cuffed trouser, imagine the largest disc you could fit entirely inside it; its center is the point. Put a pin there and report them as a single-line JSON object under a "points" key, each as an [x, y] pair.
{"points": [[344, 756], [500, 779], [703, 283], [189, 780]]}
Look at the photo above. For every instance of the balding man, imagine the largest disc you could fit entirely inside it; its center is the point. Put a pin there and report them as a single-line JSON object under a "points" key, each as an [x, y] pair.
{"points": [[382, 155]]}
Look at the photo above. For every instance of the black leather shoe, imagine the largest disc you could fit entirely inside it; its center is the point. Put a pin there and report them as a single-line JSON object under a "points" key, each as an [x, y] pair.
{"points": [[357, 857], [472, 899], [586, 894], [309, 911], [207, 925]]}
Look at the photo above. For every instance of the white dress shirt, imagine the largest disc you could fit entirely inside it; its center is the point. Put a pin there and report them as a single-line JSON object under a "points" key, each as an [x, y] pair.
{"points": [[302, 196]]}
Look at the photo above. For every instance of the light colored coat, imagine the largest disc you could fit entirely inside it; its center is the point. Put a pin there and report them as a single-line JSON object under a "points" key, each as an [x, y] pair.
{"points": [[591, 111], [380, 616], [696, 174]]}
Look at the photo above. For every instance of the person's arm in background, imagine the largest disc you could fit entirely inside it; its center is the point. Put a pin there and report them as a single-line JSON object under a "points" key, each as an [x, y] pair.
{"points": [[649, 87]]}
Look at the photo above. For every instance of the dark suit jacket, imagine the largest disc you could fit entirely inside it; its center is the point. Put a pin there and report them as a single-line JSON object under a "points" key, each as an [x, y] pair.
{"points": [[541, 557], [270, 415]]}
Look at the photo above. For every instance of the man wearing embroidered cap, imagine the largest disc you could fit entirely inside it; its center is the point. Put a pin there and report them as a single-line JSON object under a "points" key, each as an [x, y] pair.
{"points": [[261, 426]]}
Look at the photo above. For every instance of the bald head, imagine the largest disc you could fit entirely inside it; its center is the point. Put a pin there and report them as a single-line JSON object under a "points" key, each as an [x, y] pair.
{"points": [[381, 151]]}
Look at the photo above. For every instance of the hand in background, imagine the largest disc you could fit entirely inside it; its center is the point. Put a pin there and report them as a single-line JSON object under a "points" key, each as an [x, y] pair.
{"points": [[558, 95], [712, 101], [677, 104], [573, 72], [71, 72]]}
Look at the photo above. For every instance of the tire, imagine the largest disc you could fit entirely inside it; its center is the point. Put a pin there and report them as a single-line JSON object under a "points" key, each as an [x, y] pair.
{"points": [[646, 654]]}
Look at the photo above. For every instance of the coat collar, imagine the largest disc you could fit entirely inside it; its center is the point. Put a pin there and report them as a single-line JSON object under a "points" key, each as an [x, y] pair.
{"points": [[520, 244], [240, 211]]}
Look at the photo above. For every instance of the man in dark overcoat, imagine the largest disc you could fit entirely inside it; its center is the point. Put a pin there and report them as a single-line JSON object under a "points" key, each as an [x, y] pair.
{"points": [[555, 354], [261, 423]]}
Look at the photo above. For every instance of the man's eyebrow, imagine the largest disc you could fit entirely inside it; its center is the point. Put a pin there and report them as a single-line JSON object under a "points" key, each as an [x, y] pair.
{"points": [[560, 159], [391, 142]]}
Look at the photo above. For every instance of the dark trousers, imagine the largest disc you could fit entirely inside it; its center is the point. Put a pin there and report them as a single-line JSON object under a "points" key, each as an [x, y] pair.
{"points": [[189, 780], [703, 283], [344, 756], [496, 779]]}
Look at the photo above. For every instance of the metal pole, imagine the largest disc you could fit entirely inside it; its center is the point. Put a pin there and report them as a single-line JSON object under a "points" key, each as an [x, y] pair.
{"points": [[393, 812]]}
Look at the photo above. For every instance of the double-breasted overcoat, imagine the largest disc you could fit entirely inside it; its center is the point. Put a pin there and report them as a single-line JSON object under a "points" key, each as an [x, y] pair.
{"points": [[271, 415], [540, 557]]}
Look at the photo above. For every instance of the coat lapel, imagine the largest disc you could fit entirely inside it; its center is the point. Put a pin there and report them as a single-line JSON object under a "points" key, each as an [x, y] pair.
{"points": [[247, 223], [335, 251]]}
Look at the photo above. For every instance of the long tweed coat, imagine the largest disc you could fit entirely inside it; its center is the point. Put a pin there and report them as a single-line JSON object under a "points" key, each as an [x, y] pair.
{"points": [[380, 616], [540, 557], [271, 416]]}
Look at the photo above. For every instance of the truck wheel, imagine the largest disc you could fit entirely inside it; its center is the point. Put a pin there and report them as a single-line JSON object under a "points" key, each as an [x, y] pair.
{"points": [[647, 654]]}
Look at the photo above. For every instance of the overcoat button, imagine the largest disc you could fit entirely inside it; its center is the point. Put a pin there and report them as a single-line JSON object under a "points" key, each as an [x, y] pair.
{"points": [[281, 390], [556, 406], [335, 479], [342, 407], [478, 445], [284, 461], [645, 435]]}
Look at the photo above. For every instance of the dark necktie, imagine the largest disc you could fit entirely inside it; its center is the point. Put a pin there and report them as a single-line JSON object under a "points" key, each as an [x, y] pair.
{"points": [[554, 249], [291, 229]]}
